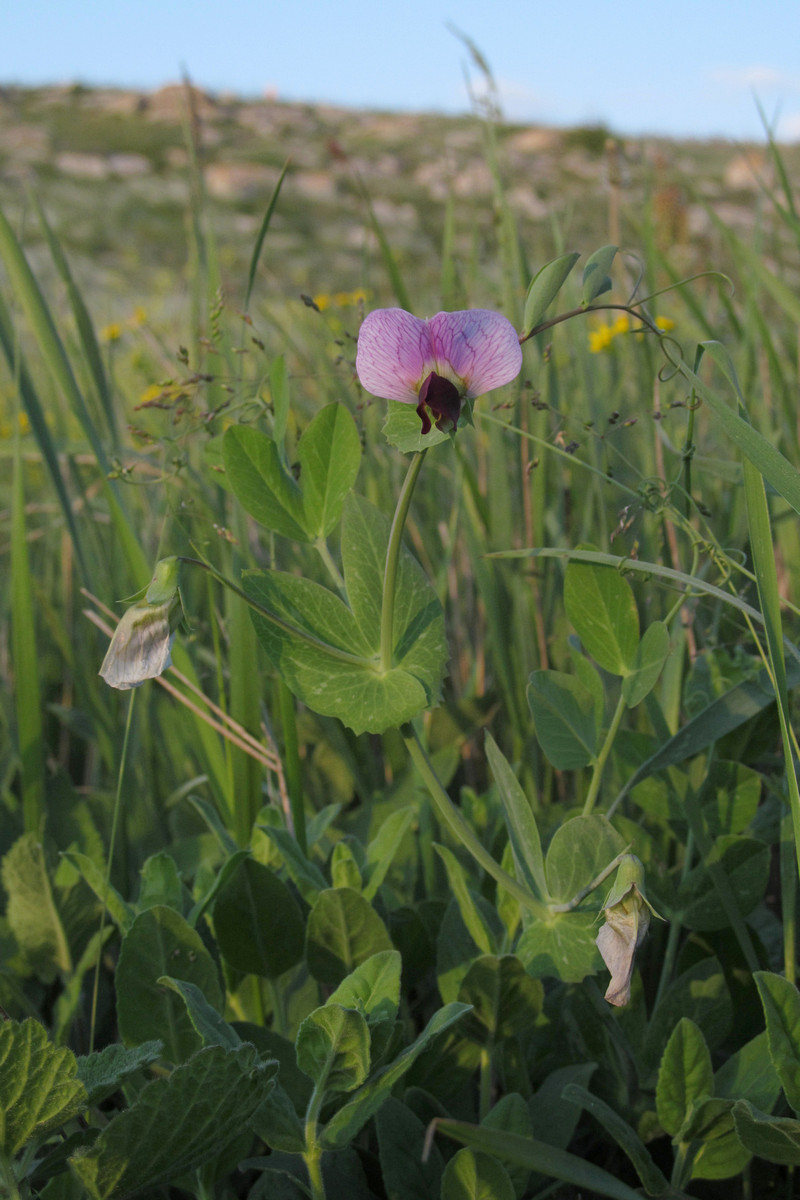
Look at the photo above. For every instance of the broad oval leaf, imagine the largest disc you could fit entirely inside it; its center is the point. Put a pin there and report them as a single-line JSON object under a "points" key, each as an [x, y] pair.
{"points": [[160, 942], [648, 663], [685, 1075], [565, 718], [505, 999], [258, 922], [471, 1175], [596, 279], [373, 988], [544, 287], [602, 610], [262, 484], [343, 931], [329, 455], [328, 653], [333, 1048]]}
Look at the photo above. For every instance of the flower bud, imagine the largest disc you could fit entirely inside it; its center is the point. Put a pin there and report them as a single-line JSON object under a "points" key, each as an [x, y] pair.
{"points": [[627, 917]]}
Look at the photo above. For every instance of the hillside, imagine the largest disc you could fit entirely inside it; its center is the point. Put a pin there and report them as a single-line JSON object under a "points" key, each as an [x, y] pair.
{"points": [[113, 170]]}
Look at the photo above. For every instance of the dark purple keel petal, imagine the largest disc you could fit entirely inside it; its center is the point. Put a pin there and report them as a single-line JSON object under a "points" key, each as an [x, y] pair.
{"points": [[394, 354], [480, 346], [442, 399]]}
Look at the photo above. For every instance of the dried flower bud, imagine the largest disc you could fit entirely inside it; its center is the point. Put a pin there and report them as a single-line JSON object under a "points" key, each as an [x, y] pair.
{"points": [[140, 647], [627, 917]]}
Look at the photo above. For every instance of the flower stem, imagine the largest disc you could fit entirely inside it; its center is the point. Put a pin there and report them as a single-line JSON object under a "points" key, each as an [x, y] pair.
{"points": [[600, 762], [461, 828], [107, 884], [393, 558]]}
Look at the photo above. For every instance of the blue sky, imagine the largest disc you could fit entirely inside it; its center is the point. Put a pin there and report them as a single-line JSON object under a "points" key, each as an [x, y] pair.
{"points": [[687, 67]]}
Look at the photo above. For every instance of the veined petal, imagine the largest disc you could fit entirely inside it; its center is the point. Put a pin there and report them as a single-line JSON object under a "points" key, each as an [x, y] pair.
{"points": [[480, 347], [394, 354]]}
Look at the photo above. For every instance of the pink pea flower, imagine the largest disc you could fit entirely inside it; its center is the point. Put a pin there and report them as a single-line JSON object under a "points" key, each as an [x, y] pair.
{"points": [[438, 363]]}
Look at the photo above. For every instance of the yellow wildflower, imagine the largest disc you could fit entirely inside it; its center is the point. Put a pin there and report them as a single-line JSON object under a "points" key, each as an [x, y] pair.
{"points": [[112, 332]]}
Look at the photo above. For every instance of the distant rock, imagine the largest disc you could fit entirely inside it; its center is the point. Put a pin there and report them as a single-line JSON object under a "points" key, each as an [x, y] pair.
{"points": [[82, 166], [239, 181], [748, 172], [128, 165], [25, 143]]}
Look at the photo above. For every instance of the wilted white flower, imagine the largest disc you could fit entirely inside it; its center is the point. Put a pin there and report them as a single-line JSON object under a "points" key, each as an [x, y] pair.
{"points": [[140, 647]]}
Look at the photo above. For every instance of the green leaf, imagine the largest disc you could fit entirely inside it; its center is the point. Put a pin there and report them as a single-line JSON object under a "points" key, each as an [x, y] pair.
{"points": [[31, 911], [343, 931], [206, 1020], [160, 883], [538, 1156], [305, 874], [345, 871], [479, 929], [474, 1176], [176, 1124], [329, 653], [596, 279], [373, 988], [745, 862], [624, 1135], [648, 663], [333, 1048], [780, 1000], [579, 851], [749, 1074], [228, 868], [160, 942], [562, 947], [601, 608], [777, 1139], [329, 454], [729, 797], [403, 429], [383, 847], [103, 1072], [278, 1124], [262, 484], [505, 1000], [686, 1075], [523, 831], [702, 995], [345, 1124], [408, 1174], [39, 1086], [258, 923], [564, 716], [544, 287]]}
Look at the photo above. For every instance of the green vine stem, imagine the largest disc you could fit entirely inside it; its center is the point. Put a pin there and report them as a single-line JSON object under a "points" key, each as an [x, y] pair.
{"points": [[462, 829], [393, 558], [107, 883], [313, 1152], [600, 761]]}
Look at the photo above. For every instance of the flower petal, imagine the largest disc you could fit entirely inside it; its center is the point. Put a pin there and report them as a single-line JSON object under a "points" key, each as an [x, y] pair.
{"points": [[481, 348], [394, 354]]}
